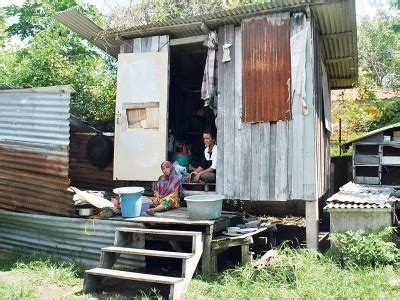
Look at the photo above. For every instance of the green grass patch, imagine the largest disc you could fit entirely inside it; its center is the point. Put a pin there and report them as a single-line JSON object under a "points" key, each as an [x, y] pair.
{"points": [[300, 274], [45, 268], [17, 292]]}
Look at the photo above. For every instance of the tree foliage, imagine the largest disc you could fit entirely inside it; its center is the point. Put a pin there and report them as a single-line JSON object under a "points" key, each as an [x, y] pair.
{"points": [[55, 56], [379, 49]]}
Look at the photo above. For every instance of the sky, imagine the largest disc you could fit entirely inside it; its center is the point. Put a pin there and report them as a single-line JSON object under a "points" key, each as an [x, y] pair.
{"points": [[106, 6]]}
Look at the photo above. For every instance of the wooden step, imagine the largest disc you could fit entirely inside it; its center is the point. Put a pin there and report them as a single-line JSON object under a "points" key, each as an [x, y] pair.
{"points": [[133, 276], [160, 231], [146, 252]]}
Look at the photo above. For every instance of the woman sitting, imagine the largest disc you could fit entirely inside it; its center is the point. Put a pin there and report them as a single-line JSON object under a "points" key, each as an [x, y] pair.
{"points": [[206, 171], [166, 195]]}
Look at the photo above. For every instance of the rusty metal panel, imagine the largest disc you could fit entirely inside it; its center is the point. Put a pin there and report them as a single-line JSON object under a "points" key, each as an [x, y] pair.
{"points": [[34, 143], [266, 68], [72, 238]]}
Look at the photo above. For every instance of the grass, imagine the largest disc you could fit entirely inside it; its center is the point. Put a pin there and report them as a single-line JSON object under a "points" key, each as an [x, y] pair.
{"points": [[16, 292], [46, 268], [299, 274]]}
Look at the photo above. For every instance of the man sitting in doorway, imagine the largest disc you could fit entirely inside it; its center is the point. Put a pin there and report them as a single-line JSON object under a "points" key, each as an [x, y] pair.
{"points": [[206, 171]]}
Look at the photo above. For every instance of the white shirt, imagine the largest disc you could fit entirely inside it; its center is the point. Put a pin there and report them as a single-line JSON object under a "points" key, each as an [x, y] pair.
{"points": [[213, 157]]}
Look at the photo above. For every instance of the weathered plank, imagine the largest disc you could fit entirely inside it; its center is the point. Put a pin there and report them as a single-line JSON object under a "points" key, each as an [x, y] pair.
{"points": [[272, 161], [228, 99], [238, 110], [255, 162], [220, 117], [264, 161], [137, 45], [309, 155], [281, 152], [146, 44], [245, 162]]}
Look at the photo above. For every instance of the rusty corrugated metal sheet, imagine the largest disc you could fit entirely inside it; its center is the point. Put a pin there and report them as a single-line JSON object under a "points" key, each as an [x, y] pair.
{"points": [[64, 236], [266, 68], [34, 141]]}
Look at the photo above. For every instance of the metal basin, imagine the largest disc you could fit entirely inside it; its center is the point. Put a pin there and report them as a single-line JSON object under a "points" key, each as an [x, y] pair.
{"points": [[204, 207]]}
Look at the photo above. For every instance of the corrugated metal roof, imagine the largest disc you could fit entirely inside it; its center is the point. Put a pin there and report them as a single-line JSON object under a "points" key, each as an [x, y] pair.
{"points": [[356, 206], [86, 28], [371, 133], [34, 142], [353, 195], [336, 22], [63, 236], [266, 68]]}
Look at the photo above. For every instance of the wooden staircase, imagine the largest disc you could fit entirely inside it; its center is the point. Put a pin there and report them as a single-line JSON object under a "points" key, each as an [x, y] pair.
{"points": [[123, 236]]}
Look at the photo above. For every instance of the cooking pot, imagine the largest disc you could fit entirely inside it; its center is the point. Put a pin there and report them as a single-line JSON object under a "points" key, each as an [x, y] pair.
{"points": [[86, 212]]}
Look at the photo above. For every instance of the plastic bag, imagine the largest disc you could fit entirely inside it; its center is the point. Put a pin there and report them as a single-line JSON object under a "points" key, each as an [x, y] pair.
{"points": [[180, 171]]}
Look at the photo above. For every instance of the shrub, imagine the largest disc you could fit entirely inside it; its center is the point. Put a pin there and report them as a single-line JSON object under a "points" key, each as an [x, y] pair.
{"points": [[359, 248]]}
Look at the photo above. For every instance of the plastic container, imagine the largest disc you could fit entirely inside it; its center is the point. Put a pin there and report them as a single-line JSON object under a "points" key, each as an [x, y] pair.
{"points": [[145, 205], [183, 160], [204, 207], [181, 148], [131, 201]]}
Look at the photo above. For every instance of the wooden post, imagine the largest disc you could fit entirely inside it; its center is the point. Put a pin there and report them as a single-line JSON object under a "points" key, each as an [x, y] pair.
{"points": [[312, 224], [206, 266]]}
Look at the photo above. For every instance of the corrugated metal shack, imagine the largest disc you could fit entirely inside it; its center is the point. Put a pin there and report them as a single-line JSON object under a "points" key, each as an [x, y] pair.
{"points": [[42, 152], [376, 156], [34, 145], [273, 110]]}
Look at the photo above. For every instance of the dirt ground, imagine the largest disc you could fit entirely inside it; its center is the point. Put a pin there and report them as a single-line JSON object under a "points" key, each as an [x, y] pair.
{"points": [[45, 292]]}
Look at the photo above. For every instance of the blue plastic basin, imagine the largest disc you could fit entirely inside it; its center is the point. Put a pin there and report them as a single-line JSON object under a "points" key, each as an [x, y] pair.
{"points": [[131, 201]]}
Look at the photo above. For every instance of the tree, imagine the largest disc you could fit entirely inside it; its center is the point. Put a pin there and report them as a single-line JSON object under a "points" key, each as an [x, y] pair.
{"points": [[379, 49], [55, 56]]}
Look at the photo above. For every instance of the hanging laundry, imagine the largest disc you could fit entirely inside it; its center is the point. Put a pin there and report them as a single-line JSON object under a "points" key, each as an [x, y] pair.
{"points": [[208, 87]]}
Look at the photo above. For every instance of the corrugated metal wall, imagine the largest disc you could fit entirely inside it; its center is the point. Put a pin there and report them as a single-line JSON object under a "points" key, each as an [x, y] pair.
{"points": [[270, 160], [63, 236], [266, 68], [34, 141]]}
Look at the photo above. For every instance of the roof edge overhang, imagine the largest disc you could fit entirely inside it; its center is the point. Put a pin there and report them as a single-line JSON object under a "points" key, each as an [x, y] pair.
{"points": [[336, 21]]}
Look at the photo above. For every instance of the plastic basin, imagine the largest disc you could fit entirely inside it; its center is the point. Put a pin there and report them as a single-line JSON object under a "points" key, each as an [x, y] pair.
{"points": [[131, 201], [145, 205], [204, 207]]}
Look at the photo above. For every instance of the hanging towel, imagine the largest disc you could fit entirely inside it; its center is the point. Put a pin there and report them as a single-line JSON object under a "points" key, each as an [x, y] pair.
{"points": [[208, 87]]}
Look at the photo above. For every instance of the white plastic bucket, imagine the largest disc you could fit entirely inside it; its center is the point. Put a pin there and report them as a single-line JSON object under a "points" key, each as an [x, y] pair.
{"points": [[204, 207]]}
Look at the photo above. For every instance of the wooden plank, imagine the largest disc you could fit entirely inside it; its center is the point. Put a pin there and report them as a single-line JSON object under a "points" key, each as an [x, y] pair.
{"points": [[163, 43], [188, 40], [264, 161], [245, 162], [281, 188], [255, 162], [146, 252], [272, 162], [228, 96], [133, 276], [140, 105], [159, 231], [220, 117], [206, 266], [309, 141], [155, 43], [146, 44], [137, 45], [238, 110]]}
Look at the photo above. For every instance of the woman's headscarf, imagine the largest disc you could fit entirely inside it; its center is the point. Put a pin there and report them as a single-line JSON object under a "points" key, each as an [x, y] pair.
{"points": [[167, 185]]}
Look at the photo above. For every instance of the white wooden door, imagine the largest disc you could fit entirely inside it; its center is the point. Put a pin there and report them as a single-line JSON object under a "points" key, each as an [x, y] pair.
{"points": [[140, 144]]}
